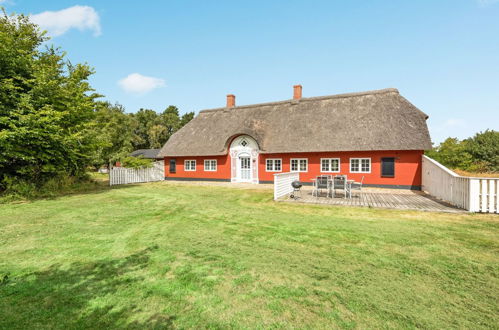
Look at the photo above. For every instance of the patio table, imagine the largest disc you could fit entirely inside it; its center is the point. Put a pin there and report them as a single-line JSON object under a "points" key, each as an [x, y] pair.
{"points": [[348, 185]]}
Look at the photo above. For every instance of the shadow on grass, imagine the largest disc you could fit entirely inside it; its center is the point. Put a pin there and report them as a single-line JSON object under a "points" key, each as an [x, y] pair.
{"points": [[78, 296]]}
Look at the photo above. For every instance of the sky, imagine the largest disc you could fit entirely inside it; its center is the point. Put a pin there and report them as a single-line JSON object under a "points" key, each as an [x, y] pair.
{"points": [[443, 56]]}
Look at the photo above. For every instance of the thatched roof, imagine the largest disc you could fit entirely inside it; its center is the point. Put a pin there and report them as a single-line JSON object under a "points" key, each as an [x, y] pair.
{"points": [[146, 153], [374, 120]]}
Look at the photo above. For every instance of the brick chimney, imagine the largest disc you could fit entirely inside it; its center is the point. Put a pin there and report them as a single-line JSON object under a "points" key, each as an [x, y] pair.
{"points": [[231, 100], [297, 92]]}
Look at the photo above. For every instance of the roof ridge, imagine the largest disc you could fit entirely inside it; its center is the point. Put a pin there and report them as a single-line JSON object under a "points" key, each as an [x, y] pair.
{"points": [[313, 98]]}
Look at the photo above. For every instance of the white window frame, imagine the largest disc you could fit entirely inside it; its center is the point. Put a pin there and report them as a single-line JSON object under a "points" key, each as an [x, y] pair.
{"points": [[329, 166], [360, 165], [273, 165], [208, 168], [298, 159], [188, 168]]}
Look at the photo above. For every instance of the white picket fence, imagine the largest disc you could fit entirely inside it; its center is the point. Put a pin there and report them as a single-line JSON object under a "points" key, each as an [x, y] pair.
{"points": [[123, 175], [469, 193], [282, 183]]}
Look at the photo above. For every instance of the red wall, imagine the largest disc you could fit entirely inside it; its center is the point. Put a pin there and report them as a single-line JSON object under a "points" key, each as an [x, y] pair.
{"points": [[407, 167], [223, 168]]}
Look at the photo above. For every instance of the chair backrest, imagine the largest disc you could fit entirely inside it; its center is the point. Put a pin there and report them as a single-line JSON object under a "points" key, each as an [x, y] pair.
{"points": [[339, 181], [322, 181]]}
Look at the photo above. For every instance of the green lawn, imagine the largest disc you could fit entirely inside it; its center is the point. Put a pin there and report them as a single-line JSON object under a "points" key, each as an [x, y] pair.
{"points": [[166, 255]]}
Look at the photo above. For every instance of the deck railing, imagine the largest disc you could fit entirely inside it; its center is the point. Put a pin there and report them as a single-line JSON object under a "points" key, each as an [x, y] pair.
{"points": [[123, 175], [282, 183], [469, 193]]}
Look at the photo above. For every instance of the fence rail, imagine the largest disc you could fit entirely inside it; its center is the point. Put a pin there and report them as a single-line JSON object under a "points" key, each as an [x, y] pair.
{"points": [[282, 183], [469, 193], [123, 175]]}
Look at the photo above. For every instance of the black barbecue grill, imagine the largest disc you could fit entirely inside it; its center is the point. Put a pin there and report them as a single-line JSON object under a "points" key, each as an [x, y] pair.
{"points": [[296, 188]]}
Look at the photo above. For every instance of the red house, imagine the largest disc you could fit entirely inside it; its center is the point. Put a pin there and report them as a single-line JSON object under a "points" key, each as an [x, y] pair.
{"points": [[378, 135]]}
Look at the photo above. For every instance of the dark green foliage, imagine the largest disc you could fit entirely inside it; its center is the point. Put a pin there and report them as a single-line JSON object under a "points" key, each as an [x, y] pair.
{"points": [[477, 154], [452, 153], [136, 162], [152, 130], [186, 117], [115, 131], [484, 148], [120, 133], [46, 108], [23, 189], [145, 119]]}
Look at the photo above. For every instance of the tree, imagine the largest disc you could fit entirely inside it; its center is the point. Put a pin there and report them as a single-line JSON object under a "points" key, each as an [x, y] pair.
{"points": [[477, 154], [114, 129], [46, 107], [171, 120], [484, 148], [452, 153], [186, 117], [145, 118], [152, 130], [157, 136]]}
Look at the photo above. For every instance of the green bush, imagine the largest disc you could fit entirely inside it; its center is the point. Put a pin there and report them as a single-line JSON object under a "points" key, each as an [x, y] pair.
{"points": [[476, 154], [136, 162], [21, 189]]}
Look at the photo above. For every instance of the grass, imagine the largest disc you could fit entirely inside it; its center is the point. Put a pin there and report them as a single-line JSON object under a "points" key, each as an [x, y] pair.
{"points": [[19, 190], [178, 256], [478, 175]]}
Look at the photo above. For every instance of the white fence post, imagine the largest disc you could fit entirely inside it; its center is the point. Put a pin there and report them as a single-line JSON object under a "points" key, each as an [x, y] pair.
{"points": [[122, 175], [469, 193], [474, 204], [282, 183]]}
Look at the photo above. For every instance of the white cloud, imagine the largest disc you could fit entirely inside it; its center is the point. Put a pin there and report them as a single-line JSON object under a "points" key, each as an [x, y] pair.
{"points": [[139, 84], [76, 17]]}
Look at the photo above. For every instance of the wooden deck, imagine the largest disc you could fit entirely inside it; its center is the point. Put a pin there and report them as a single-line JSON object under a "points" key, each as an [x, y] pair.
{"points": [[381, 198]]}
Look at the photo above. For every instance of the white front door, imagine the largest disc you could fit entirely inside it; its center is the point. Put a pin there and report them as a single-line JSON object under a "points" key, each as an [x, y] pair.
{"points": [[244, 160], [244, 169]]}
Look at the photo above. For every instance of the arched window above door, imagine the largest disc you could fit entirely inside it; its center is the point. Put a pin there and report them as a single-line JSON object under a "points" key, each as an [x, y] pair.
{"points": [[244, 141]]}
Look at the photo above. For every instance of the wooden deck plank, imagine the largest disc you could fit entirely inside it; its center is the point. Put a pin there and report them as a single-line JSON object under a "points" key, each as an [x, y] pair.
{"points": [[396, 200]]}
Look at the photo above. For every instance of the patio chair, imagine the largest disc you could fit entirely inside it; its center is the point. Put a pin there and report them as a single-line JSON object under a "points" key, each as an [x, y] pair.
{"points": [[340, 182], [321, 183], [356, 186]]}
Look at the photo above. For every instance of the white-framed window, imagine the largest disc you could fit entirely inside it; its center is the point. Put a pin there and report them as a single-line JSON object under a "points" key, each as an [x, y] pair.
{"points": [[299, 164], [330, 165], [189, 165], [360, 165], [274, 165], [210, 165]]}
